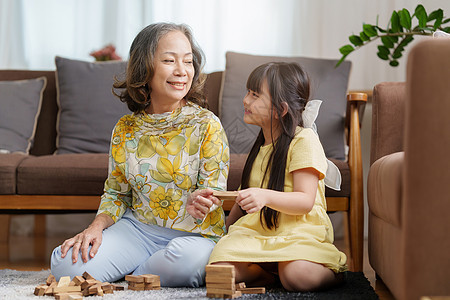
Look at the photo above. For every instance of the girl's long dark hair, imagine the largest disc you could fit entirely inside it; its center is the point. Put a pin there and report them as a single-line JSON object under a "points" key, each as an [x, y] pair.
{"points": [[287, 83]]}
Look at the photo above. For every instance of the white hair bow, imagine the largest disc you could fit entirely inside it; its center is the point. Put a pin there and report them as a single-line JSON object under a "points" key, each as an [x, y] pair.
{"points": [[333, 175]]}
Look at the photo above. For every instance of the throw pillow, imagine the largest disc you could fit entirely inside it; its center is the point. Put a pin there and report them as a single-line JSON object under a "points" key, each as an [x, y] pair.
{"points": [[88, 110], [328, 84], [20, 106]]}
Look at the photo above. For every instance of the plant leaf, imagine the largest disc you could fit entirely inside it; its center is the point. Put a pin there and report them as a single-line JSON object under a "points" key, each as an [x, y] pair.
{"points": [[363, 36], [346, 50], [397, 54], [446, 21], [382, 56], [340, 61], [387, 42], [395, 22], [383, 50], [440, 16], [381, 29], [394, 63], [369, 30], [421, 15], [405, 18], [355, 40]]}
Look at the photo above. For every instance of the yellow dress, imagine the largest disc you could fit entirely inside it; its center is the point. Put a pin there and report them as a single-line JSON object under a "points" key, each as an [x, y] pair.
{"points": [[298, 237]]}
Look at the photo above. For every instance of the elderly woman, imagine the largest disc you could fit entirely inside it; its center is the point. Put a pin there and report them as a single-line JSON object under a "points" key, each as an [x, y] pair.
{"points": [[165, 159]]}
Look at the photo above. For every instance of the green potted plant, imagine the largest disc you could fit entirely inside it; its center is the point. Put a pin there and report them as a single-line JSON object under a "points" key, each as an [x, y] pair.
{"points": [[398, 33]]}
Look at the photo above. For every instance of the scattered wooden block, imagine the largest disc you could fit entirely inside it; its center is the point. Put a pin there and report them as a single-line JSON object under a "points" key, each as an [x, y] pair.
{"points": [[237, 294], [40, 290], [69, 296], [49, 290], [64, 281], [78, 280], [86, 276], [134, 278], [254, 290], [240, 285], [66, 289], [226, 195], [118, 287], [96, 289], [88, 283], [50, 279]]}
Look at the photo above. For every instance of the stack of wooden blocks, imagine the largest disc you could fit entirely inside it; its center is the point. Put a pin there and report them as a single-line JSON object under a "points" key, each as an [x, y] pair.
{"points": [[143, 282], [76, 288], [220, 283]]}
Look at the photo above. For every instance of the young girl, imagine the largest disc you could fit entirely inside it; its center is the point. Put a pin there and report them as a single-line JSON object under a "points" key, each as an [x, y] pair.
{"points": [[280, 222]]}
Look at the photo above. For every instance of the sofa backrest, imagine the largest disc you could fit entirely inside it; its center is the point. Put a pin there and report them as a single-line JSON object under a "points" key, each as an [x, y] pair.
{"points": [[45, 136], [388, 108]]}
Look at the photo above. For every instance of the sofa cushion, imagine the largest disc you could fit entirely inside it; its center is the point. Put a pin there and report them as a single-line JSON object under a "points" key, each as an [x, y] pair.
{"points": [[66, 174], [8, 166], [384, 188], [88, 110], [20, 105], [327, 83]]}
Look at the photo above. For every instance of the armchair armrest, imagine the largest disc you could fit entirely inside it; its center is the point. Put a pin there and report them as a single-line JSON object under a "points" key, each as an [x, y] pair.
{"points": [[356, 207]]}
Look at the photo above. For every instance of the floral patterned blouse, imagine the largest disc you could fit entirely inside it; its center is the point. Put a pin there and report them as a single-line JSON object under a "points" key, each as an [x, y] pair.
{"points": [[156, 160]]}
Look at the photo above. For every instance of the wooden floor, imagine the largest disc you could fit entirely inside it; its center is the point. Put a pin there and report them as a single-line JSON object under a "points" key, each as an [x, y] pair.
{"points": [[32, 254]]}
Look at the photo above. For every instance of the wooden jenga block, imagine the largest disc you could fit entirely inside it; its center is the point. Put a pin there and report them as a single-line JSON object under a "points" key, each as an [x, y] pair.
{"points": [[68, 296], [66, 289], [218, 279], [240, 285], [149, 278], [254, 290], [49, 290], [217, 285], [222, 270], [107, 288], [40, 290], [136, 286], [64, 281], [220, 291], [87, 276], [96, 289], [88, 283], [118, 287], [134, 278], [237, 294], [50, 279], [226, 195], [78, 280]]}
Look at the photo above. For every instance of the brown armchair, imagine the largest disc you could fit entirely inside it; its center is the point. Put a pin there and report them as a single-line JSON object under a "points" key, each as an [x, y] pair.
{"points": [[408, 184]]}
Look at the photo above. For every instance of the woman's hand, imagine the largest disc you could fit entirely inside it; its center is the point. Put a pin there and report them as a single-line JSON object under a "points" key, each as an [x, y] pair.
{"points": [[200, 202], [253, 199], [90, 236]]}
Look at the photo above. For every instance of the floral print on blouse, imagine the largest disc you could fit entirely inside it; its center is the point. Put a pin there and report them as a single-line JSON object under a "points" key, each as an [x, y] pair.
{"points": [[155, 161]]}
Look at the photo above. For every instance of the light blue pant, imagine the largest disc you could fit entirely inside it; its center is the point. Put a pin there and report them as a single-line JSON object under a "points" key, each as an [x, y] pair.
{"points": [[132, 247]]}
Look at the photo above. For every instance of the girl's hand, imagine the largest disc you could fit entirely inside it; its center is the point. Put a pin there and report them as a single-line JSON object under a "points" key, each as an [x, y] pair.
{"points": [[200, 202], [252, 199], [82, 241]]}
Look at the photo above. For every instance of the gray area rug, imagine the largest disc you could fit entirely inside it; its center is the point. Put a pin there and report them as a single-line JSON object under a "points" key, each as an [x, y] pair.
{"points": [[21, 284]]}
